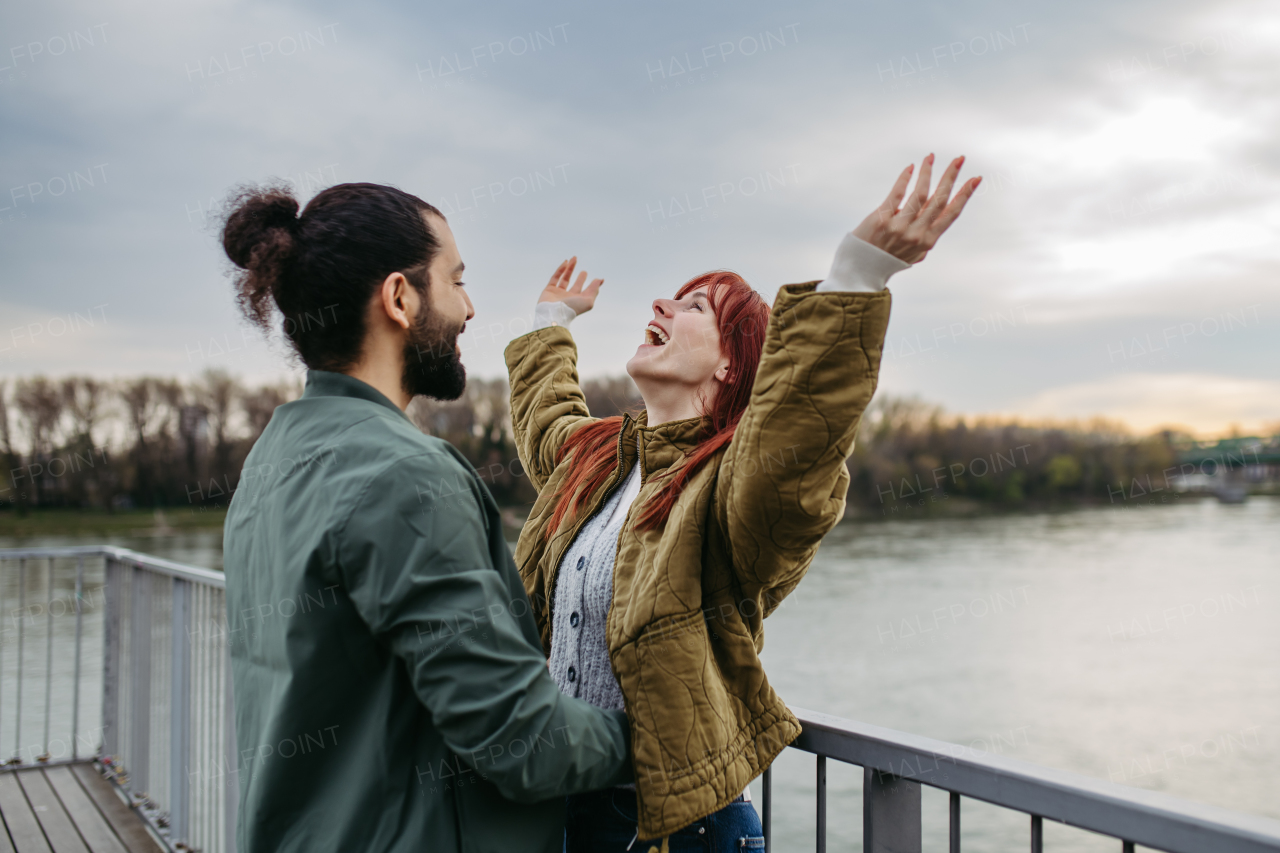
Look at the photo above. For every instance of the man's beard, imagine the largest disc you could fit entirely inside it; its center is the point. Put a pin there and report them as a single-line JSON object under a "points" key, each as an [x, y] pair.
{"points": [[432, 366]]}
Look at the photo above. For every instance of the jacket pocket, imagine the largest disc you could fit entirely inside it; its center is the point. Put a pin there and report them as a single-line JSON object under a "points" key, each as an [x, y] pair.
{"points": [[683, 714]]}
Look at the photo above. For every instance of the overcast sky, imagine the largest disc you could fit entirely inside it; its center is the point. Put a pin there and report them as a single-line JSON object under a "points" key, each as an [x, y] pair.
{"points": [[1120, 258]]}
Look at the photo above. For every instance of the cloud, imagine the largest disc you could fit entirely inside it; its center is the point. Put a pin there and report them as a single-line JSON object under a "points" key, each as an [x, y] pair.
{"points": [[1131, 176], [1203, 402]]}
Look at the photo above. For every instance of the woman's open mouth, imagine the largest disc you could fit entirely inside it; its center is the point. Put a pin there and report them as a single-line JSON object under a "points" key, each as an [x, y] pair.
{"points": [[654, 336]]}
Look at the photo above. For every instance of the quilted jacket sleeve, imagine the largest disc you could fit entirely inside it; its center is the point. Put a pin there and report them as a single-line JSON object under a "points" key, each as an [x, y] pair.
{"points": [[783, 481], [547, 405]]}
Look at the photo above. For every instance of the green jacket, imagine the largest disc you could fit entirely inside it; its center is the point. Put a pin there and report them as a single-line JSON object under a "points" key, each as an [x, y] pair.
{"points": [[685, 623], [390, 690]]}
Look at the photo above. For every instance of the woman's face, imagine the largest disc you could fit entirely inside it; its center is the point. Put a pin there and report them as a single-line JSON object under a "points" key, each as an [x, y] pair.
{"points": [[681, 345]]}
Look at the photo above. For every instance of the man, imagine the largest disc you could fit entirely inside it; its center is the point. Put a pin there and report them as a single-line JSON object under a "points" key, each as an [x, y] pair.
{"points": [[390, 690]]}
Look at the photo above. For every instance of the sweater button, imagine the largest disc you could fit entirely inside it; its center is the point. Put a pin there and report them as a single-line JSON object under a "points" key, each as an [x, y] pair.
{"points": [[573, 674], [573, 620], [582, 562]]}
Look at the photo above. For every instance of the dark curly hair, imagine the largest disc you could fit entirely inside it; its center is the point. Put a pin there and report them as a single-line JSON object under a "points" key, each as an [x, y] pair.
{"points": [[320, 270]]}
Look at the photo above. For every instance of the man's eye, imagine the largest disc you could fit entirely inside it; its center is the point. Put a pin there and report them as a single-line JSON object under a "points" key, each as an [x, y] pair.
{"points": [[461, 284]]}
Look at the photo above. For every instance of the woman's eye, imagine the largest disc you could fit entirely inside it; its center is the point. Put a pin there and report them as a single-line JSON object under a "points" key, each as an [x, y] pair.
{"points": [[697, 305]]}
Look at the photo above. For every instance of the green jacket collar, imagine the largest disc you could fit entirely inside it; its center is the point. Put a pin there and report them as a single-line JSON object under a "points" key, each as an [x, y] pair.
{"points": [[660, 446], [324, 383]]}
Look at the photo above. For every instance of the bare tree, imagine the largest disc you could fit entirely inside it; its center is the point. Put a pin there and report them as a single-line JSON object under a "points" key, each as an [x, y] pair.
{"points": [[218, 392], [40, 407], [611, 396], [143, 409], [261, 403], [85, 400], [11, 460]]}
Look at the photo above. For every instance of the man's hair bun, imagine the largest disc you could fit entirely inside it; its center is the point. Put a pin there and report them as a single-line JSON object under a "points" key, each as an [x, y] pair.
{"points": [[260, 235], [255, 219]]}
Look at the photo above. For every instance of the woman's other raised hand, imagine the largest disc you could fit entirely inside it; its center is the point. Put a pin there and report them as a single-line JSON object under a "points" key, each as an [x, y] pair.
{"points": [[577, 297], [910, 231]]}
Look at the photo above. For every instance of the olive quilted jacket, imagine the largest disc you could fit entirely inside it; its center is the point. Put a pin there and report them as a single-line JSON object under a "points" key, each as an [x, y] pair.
{"points": [[685, 624]]}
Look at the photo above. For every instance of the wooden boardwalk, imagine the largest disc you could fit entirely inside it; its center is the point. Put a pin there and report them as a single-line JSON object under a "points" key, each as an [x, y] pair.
{"points": [[67, 808]]}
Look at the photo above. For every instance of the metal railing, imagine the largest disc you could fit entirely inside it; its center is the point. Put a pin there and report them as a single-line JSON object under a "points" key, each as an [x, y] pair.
{"points": [[164, 727], [140, 683], [895, 765]]}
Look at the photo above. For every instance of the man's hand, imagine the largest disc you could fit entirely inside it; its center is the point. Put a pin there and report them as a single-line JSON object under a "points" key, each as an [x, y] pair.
{"points": [[909, 232], [577, 297]]}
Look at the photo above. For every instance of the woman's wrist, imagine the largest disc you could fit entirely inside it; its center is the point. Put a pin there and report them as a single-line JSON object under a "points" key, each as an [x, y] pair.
{"points": [[860, 267], [552, 314]]}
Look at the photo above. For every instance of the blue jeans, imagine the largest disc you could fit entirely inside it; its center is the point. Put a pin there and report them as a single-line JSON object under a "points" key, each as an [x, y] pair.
{"points": [[605, 822]]}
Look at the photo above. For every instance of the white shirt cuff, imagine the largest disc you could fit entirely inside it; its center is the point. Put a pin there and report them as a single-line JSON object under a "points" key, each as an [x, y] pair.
{"points": [[552, 314], [860, 267]]}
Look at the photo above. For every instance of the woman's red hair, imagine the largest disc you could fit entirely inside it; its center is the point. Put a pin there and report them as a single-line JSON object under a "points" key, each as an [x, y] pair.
{"points": [[742, 316]]}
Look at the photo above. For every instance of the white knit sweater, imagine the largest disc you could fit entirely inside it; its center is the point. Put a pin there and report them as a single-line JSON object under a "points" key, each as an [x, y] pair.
{"points": [[584, 585]]}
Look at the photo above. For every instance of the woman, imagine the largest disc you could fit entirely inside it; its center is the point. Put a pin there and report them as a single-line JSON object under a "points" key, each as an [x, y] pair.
{"points": [[658, 544]]}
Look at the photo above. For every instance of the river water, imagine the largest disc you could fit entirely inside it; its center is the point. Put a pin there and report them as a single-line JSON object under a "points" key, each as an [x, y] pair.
{"points": [[1139, 644], [1134, 643]]}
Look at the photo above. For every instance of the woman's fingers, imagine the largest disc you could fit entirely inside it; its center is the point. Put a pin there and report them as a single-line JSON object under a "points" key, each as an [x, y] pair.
{"points": [[943, 193], [921, 193], [567, 275], [562, 288], [909, 232], [952, 210], [555, 276], [894, 199]]}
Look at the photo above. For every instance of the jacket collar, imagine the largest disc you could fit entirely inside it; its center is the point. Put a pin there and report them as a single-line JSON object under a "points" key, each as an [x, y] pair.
{"points": [[661, 446], [324, 383]]}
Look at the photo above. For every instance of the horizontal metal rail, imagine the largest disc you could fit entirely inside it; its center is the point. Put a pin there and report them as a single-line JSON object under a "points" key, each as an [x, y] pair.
{"points": [[896, 764], [138, 560]]}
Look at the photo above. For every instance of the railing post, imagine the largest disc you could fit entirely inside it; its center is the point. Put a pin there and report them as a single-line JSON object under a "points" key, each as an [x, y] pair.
{"points": [[231, 793], [17, 711], [2, 645], [138, 762], [48, 659], [766, 803], [180, 712], [890, 813], [75, 684], [111, 660], [821, 797], [955, 822]]}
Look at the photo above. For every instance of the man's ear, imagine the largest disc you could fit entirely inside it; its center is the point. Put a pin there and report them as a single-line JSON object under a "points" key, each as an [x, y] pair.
{"points": [[395, 299]]}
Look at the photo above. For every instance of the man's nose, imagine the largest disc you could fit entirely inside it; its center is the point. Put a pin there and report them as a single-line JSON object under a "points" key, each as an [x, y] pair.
{"points": [[471, 309]]}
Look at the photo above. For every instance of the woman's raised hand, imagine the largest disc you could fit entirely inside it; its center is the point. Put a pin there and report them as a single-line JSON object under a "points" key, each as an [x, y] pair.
{"points": [[910, 231], [577, 297]]}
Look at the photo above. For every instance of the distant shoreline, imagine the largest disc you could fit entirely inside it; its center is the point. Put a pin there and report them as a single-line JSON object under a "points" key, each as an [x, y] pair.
{"points": [[131, 522], [176, 520]]}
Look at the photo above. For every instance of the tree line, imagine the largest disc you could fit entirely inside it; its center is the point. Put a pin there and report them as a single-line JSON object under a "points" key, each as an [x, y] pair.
{"points": [[163, 442], [81, 442], [910, 455]]}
